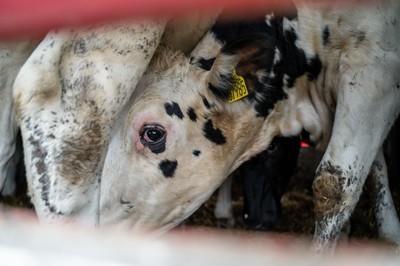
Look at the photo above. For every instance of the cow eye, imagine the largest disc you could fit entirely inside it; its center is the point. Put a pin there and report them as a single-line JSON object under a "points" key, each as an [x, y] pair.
{"points": [[152, 134], [153, 137]]}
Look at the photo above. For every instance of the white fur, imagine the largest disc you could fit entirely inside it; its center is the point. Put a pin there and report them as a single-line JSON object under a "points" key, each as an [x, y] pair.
{"points": [[67, 96]]}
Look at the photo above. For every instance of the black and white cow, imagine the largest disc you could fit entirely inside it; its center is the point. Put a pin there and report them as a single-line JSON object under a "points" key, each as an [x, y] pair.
{"points": [[332, 71], [264, 179]]}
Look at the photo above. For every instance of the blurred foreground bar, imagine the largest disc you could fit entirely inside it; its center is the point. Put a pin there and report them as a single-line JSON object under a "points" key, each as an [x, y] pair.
{"points": [[26, 18], [24, 242]]}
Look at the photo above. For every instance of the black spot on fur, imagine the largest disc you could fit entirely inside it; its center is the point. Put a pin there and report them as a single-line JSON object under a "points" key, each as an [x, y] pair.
{"points": [[80, 47], [329, 167], [173, 109], [213, 134], [39, 153], [205, 64], [325, 36], [128, 206], [314, 68], [192, 114], [124, 202], [294, 63], [267, 94], [222, 92], [196, 152], [359, 36], [227, 32], [206, 103], [168, 167], [263, 92]]}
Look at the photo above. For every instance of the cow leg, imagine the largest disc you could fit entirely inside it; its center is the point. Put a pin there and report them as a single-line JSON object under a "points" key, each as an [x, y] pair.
{"points": [[8, 127], [10, 183], [385, 211], [223, 206], [366, 109], [12, 56]]}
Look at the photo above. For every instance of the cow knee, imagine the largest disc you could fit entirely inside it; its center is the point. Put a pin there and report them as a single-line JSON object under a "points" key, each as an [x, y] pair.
{"points": [[328, 194]]}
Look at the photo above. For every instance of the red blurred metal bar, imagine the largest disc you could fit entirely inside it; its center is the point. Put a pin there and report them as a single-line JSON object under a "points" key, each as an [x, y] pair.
{"points": [[27, 17], [21, 18]]}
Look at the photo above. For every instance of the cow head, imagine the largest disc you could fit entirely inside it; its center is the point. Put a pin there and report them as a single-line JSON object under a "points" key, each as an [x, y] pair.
{"points": [[182, 136]]}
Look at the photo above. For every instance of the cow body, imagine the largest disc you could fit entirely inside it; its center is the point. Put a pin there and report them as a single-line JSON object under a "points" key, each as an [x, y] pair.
{"points": [[332, 71]]}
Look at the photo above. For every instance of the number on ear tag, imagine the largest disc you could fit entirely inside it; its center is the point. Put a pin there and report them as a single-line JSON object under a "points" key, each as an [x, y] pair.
{"points": [[239, 89]]}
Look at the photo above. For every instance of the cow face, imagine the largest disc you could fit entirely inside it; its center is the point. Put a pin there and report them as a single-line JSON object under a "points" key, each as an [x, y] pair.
{"points": [[182, 136]]}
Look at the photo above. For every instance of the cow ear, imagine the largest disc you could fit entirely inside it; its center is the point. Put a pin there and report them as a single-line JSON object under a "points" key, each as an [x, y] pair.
{"points": [[248, 60]]}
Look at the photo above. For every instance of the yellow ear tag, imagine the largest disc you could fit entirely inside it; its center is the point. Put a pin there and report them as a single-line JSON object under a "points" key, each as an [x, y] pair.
{"points": [[239, 89]]}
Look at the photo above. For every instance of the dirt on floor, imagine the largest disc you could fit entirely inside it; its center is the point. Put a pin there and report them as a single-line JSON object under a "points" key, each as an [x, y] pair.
{"points": [[297, 215]]}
